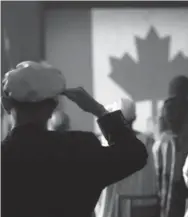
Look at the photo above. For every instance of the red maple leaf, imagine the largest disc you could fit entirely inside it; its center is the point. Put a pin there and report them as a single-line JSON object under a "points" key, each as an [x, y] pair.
{"points": [[143, 80]]}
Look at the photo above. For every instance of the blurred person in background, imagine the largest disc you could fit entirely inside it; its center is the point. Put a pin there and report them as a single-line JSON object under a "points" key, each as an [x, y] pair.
{"points": [[171, 149], [6, 124], [140, 183], [59, 121], [47, 173], [185, 176]]}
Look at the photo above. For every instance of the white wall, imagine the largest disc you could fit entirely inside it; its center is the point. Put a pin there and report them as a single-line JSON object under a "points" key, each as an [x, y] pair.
{"points": [[146, 64], [68, 47]]}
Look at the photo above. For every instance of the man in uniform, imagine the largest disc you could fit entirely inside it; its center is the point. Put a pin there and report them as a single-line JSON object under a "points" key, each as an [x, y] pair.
{"points": [[47, 173]]}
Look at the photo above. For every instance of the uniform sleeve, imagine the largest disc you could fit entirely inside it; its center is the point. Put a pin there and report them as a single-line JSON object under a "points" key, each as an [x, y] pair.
{"points": [[125, 155]]}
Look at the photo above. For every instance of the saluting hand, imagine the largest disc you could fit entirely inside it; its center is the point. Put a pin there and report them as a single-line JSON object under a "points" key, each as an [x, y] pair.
{"points": [[85, 101]]}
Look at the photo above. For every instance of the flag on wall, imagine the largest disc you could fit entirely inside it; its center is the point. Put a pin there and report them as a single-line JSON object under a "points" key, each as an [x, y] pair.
{"points": [[132, 53]]}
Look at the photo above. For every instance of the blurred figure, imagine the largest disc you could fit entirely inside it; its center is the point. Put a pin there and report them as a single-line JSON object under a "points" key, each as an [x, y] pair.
{"points": [[185, 176], [185, 172], [47, 173], [6, 125], [178, 87], [140, 183], [59, 122], [171, 149]]}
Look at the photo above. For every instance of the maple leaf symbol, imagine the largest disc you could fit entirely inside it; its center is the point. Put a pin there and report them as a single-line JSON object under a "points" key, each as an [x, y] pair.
{"points": [[143, 80]]}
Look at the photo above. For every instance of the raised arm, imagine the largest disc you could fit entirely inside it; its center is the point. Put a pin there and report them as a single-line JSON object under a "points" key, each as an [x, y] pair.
{"points": [[125, 155]]}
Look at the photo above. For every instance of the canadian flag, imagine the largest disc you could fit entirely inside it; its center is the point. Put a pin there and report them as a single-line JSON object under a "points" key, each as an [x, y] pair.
{"points": [[119, 52]]}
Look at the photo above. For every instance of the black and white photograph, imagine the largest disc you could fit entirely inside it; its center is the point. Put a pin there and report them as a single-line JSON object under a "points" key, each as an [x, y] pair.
{"points": [[94, 108]]}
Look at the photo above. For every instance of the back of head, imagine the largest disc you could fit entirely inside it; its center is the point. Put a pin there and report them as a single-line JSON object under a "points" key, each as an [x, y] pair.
{"points": [[34, 107], [174, 113], [175, 108], [178, 86], [32, 89]]}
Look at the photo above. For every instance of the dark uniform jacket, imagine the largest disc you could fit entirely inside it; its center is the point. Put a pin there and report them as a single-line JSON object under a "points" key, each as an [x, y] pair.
{"points": [[51, 174]]}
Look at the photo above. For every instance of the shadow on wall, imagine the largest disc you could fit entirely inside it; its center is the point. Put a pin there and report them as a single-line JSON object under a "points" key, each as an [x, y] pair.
{"points": [[69, 48], [22, 22], [145, 77]]}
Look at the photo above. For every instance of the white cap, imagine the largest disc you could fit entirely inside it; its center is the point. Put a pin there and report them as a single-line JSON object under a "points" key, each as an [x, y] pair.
{"points": [[33, 82]]}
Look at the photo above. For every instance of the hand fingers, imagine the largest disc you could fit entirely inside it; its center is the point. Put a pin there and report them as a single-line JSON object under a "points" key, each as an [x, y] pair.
{"points": [[76, 94], [69, 92], [75, 91], [70, 95], [71, 89]]}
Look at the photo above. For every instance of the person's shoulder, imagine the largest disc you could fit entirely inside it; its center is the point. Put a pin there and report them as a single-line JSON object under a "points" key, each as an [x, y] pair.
{"points": [[85, 137], [72, 133], [3, 143], [79, 137]]}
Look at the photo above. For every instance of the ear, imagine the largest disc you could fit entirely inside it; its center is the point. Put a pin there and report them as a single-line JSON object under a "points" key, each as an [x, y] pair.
{"points": [[7, 104]]}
